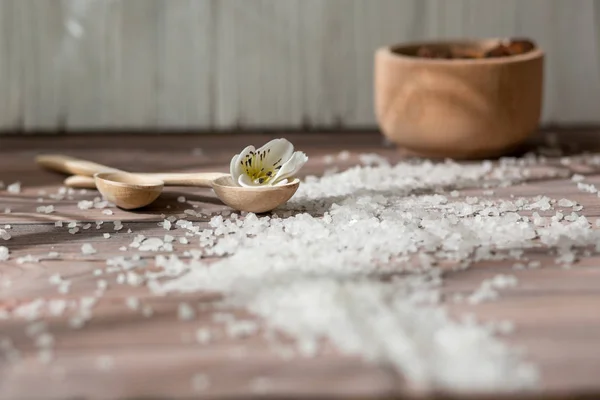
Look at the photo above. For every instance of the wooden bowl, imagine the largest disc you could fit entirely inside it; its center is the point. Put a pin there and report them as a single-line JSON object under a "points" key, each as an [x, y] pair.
{"points": [[458, 108]]}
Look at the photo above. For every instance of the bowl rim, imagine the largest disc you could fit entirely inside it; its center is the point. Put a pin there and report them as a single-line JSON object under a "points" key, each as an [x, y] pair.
{"points": [[391, 51]]}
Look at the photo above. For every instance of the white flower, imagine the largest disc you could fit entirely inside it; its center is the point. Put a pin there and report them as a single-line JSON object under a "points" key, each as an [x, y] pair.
{"points": [[273, 164]]}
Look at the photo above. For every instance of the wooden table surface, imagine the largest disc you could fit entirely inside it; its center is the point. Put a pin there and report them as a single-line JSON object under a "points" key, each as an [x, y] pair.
{"points": [[122, 353]]}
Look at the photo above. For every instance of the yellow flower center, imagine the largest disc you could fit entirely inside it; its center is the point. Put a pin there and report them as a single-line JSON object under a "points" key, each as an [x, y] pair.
{"points": [[255, 168]]}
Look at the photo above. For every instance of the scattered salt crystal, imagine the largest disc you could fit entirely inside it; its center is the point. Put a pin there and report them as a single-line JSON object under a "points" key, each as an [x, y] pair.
{"points": [[64, 287], [168, 238], [76, 322], [72, 224], [102, 284], [107, 212], [372, 159], [106, 235], [4, 253], [132, 303], [166, 224], [44, 340], [565, 203], [203, 335], [85, 204], [58, 224], [73, 231], [123, 248], [147, 311], [134, 279], [14, 188], [181, 199], [87, 226], [577, 178], [343, 155], [4, 234], [117, 225], [45, 209], [151, 244], [185, 312], [105, 363], [55, 279], [87, 249]]}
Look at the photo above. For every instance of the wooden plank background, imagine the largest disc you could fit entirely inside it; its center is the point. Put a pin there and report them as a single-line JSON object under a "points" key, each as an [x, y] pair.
{"points": [[208, 64]]}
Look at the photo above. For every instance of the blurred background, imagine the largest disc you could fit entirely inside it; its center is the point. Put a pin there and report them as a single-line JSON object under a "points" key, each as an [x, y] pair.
{"points": [[207, 65]]}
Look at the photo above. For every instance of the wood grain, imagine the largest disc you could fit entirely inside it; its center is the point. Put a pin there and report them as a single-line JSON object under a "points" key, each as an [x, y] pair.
{"points": [[205, 64], [554, 309]]}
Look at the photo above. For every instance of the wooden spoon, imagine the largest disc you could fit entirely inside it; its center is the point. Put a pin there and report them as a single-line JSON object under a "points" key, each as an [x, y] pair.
{"points": [[135, 190]]}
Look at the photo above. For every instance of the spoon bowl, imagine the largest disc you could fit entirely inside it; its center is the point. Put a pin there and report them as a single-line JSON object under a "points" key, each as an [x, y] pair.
{"points": [[257, 200], [128, 191]]}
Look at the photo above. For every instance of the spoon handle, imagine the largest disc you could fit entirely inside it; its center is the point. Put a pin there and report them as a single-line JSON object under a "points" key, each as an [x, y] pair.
{"points": [[80, 181], [71, 165], [200, 179]]}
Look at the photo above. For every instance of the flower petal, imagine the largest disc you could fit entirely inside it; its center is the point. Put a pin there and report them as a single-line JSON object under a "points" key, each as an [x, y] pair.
{"points": [[275, 150], [235, 167], [293, 165], [245, 181]]}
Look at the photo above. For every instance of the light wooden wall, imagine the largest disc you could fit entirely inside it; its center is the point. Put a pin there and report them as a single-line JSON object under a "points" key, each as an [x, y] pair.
{"points": [[73, 64]]}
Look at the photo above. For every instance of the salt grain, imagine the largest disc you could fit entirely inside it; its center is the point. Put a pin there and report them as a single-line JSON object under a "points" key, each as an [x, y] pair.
{"points": [[76, 322], [106, 235], [14, 188], [4, 234], [203, 335], [132, 303], [181, 199], [565, 203], [107, 212], [85, 204], [185, 312], [147, 311], [4, 253], [45, 209], [87, 249]]}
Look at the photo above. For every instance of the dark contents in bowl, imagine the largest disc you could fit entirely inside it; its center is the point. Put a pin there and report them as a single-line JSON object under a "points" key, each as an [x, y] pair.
{"points": [[503, 49]]}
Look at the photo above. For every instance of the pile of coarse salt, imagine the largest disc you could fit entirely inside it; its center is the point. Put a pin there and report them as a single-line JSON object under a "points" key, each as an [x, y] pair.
{"points": [[353, 258]]}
